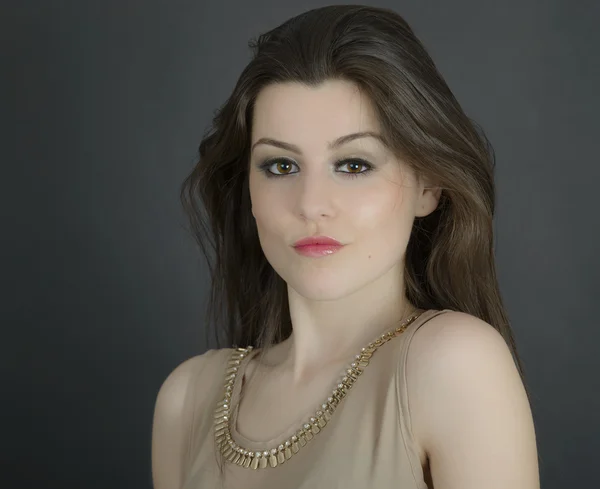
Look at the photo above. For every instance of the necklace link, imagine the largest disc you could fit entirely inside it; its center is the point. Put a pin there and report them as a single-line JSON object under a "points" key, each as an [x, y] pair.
{"points": [[261, 459]]}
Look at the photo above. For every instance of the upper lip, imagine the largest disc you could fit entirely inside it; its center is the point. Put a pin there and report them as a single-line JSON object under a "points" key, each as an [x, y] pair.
{"points": [[317, 240]]}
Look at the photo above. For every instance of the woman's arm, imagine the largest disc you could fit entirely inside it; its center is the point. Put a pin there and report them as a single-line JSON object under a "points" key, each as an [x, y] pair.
{"points": [[469, 409], [172, 426]]}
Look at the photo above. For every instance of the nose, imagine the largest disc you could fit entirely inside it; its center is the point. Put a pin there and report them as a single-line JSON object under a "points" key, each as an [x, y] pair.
{"points": [[315, 195]]}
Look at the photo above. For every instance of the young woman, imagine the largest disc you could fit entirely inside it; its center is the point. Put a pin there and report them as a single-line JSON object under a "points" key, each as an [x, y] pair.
{"points": [[349, 203]]}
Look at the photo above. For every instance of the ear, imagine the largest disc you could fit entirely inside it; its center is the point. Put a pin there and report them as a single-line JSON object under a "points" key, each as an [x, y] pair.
{"points": [[428, 198]]}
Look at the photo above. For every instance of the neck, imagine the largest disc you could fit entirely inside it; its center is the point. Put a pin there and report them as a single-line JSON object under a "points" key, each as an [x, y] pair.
{"points": [[328, 334]]}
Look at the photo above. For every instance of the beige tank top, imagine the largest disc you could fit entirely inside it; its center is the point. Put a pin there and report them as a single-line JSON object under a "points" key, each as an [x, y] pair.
{"points": [[368, 442]]}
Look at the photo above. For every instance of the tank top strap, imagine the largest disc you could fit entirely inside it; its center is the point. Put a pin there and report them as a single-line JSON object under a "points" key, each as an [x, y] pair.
{"points": [[402, 392], [412, 328]]}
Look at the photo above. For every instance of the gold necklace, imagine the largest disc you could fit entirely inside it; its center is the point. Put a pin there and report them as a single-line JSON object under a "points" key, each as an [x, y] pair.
{"points": [[262, 459]]}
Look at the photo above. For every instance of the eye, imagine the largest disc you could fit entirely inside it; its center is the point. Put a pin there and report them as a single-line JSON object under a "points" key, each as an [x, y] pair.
{"points": [[355, 163], [280, 164], [283, 165]]}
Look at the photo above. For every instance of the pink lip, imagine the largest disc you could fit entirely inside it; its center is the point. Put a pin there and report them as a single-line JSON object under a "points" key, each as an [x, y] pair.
{"points": [[317, 250], [317, 240], [316, 246]]}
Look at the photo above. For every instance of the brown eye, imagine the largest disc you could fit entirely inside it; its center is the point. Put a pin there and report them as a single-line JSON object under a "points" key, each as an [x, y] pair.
{"points": [[278, 167], [353, 165], [282, 166]]}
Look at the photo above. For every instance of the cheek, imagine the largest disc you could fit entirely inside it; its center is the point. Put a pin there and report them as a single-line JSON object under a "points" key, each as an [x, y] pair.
{"points": [[269, 217], [264, 219], [383, 208], [258, 198], [383, 222]]}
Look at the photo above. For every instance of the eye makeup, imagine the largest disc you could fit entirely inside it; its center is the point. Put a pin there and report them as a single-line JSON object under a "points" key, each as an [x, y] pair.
{"points": [[266, 166]]}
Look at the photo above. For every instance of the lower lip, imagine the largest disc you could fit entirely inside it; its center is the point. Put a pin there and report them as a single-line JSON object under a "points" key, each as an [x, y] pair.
{"points": [[317, 250]]}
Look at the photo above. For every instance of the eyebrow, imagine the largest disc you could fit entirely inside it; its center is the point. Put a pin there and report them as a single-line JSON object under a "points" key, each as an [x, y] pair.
{"points": [[332, 145]]}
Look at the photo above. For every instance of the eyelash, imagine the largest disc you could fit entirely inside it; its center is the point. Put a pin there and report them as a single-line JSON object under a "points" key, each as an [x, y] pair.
{"points": [[264, 167]]}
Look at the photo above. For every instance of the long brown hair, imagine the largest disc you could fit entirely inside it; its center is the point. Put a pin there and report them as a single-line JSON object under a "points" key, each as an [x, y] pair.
{"points": [[449, 261]]}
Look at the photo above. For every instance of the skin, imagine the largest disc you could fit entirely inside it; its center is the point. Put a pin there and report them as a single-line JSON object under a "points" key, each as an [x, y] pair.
{"points": [[370, 213], [470, 417]]}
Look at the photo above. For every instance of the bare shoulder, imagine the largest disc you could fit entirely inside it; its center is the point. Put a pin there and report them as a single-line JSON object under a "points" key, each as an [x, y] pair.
{"points": [[173, 414], [452, 351], [452, 334], [177, 385], [470, 414]]}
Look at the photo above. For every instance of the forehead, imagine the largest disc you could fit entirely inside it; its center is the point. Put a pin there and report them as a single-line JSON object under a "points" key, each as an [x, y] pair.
{"points": [[310, 115]]}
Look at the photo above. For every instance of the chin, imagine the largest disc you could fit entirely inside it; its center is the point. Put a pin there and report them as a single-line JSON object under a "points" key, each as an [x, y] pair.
{"points": [[328, 295], [322, 290]]}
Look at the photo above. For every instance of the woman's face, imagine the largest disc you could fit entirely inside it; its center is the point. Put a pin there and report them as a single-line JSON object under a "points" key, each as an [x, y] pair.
{"points": [[357, 192]]}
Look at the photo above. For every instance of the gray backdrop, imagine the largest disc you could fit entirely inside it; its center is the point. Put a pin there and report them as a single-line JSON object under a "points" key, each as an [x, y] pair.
{"points": [[103, 106]]}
